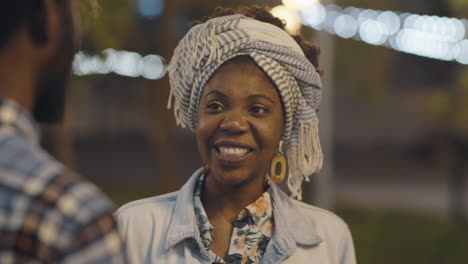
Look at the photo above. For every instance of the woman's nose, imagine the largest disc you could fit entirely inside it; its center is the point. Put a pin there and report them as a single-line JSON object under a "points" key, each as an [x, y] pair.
{"points": [[234, 123]]}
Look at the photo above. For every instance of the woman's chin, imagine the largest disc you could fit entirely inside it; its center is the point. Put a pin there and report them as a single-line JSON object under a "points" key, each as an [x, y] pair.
{"points": [[234, 177]]}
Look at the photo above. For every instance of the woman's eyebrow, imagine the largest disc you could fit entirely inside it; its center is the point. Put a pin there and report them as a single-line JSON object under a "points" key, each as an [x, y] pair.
{"points": [[215, 92], [254, 96]]}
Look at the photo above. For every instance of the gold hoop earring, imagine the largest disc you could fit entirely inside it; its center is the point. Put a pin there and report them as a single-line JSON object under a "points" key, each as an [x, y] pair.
{"points": [[279, 166]]}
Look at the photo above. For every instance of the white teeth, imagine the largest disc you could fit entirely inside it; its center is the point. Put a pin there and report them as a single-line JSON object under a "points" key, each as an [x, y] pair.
{"points": [[233, 151]]}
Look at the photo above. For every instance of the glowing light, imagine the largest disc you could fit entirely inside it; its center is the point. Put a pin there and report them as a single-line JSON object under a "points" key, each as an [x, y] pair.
{"points": [[435, 37], [352, 11], [346, 26], [124, 63], [427, 45], [313, 16], [390, 21], [299, 4], [127, 63], [410, 21], [393, 42], [150, 8], [293, 21], [463, 52], [367, 15], [329, 23], [460, 30], [372, 32], [333, 7], [152, 67]]}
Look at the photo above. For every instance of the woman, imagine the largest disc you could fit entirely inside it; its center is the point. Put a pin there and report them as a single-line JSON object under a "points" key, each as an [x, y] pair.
{"points": [[250, 92]]}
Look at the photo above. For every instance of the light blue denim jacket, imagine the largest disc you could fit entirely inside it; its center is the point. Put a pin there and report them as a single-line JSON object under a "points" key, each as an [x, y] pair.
{"points": [[163, 229]]}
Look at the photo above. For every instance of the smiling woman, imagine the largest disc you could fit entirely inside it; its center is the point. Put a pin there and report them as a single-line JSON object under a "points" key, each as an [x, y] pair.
{"points": [[240, 119], [250, 93]]}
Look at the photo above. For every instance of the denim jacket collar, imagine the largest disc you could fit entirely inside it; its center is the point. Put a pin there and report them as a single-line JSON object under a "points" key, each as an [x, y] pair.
{"points": [[183, 223], [291, 227]]}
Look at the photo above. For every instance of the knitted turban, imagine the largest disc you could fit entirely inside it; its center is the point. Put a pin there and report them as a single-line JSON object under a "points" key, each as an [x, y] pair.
{"points": [[207, 46]]}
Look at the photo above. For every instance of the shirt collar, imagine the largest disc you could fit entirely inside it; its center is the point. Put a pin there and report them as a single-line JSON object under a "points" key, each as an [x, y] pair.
{"points": [[16, 120], [259, 211], [292, 227]]}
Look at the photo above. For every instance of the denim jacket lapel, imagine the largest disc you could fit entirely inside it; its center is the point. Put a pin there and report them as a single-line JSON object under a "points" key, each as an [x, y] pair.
{"points": [[183, 224], [292, 228]]}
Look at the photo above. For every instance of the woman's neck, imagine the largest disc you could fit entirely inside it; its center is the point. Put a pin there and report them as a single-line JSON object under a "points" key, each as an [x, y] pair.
{"points": [[226, 201]]}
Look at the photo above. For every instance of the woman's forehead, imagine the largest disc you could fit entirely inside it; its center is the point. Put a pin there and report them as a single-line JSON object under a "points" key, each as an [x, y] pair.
{"points": [[240, 74]]}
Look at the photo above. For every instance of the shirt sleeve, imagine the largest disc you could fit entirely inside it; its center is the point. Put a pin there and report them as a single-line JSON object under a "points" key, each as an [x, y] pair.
{"points": [[80, 228], [97, 242], [347, 253]]}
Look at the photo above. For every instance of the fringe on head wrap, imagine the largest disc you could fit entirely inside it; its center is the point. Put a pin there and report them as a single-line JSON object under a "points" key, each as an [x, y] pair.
{"points": [[207, 46]]}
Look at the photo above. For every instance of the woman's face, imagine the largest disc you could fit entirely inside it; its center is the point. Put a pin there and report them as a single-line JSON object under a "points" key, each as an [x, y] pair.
{"points": [[240, 119]]}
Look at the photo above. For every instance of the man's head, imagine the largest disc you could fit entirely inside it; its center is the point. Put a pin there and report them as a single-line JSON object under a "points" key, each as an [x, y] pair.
{"points": [[51, 28]]}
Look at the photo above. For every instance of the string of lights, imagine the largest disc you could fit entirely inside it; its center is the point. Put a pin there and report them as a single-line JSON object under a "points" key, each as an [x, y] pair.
{"points": [[434, 37], [125, 63]]}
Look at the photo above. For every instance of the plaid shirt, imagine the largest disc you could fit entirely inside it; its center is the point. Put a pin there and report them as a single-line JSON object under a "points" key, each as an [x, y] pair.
{"points": [[47, 213]]}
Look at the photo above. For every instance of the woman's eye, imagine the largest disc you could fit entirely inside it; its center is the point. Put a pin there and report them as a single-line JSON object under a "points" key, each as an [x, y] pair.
{"points": [[258, 110], [215, 107]]}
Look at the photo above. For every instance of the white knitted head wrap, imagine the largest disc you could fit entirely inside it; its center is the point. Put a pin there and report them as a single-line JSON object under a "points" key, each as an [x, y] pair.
{"points": [[207, 46]]}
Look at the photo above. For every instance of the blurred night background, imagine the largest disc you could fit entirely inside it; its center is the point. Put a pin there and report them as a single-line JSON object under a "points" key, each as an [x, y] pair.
{"points": [[394, 121]]}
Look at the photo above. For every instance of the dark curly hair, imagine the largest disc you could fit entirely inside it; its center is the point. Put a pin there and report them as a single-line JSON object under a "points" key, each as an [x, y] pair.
{"points": [[260, 13]]}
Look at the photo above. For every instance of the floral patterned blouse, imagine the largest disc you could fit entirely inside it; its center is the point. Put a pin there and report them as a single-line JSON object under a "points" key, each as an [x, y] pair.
{"points": [[253, 228]]}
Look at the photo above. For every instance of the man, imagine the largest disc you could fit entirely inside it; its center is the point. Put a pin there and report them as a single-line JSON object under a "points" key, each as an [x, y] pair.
{"points": [[47, 213]]}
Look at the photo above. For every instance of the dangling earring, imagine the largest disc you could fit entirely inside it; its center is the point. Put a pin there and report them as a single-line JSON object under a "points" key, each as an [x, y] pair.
{"points": [[206, 169], [279, 165]]}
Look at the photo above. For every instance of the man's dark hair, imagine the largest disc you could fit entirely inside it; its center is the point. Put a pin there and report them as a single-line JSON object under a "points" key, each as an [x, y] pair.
{"points": [[14, 13]]}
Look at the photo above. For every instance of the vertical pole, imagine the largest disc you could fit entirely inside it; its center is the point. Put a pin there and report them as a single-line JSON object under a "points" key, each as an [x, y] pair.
{"points": [[322, 195], [163, 125]]}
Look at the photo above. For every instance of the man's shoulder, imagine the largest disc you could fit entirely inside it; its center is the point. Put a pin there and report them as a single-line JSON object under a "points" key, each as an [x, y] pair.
{"points": [[20, 155], [29, 172], [24, 166], [82, 201], [64, 212]]}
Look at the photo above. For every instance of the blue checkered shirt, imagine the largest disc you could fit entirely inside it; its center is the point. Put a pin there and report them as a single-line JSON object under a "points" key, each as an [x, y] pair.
{"points": [[47, 213]]}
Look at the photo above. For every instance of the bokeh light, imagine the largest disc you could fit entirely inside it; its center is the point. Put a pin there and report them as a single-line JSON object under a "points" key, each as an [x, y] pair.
{"points": [[299, 4], [372, 32], [313, 16], [346, 26], [150, 8], [293, 21], [125, 63], [463, 52], [435, 37], [152, 67], [390, 22]]}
